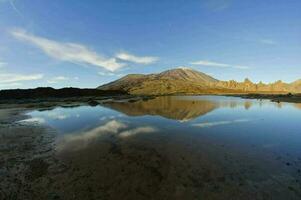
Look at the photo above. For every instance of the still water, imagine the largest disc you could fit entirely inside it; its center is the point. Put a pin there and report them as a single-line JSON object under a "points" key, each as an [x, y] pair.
{"points": [[181, 147]]}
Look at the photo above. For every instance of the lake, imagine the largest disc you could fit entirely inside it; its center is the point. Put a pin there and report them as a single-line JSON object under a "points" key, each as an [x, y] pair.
{"points": [[177, 147]]}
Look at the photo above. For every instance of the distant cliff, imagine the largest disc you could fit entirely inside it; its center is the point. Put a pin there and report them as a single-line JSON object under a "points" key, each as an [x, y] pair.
{"points": [[189, 81]]}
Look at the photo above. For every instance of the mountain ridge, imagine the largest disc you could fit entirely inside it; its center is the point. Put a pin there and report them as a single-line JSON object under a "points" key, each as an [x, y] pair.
{"points": [[185, 80]]}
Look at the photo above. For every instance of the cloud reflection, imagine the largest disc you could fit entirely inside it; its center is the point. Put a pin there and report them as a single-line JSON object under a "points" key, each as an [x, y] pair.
{"points": [[136, 131], [219, 123], [79, 141], [57, 116], [38, 120]]}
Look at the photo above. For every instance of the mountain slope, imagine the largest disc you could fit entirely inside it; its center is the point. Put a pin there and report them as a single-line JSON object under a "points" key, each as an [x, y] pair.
{"points": [[186, 74], [189, 81], [180, 80]]}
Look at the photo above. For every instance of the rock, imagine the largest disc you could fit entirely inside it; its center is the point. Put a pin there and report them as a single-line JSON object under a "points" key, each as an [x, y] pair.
{"points": [[93, 103]]}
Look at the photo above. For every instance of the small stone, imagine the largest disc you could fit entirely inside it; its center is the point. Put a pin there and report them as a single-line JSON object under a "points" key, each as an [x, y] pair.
{"points": [[93, 103]]}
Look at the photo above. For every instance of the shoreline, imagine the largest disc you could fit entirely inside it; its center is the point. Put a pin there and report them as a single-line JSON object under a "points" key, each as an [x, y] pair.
{"points": [[51, 102], [26, 153], [287, 98]]}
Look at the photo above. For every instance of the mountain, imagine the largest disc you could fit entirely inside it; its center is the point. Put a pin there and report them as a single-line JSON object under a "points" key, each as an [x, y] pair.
{"points": [[186, 74], [180, 80], [188, 81], [296, 85]]}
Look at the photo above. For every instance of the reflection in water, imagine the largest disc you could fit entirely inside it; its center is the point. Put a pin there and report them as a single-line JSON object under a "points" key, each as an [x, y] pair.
{"points": [[218, 123], [297, 105], [37, 120], [243, 149], [74, 142], [83, 139], [182, 108], [169, 107], [135, 131], [248, 104], [279, 105]]}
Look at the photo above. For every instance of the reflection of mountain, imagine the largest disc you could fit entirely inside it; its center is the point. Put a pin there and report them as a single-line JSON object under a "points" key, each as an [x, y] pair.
{"points": [[169, 107], [297, 105]]}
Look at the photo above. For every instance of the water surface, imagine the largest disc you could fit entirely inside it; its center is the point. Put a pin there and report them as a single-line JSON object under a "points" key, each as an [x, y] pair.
{"points": [[184, 147]]}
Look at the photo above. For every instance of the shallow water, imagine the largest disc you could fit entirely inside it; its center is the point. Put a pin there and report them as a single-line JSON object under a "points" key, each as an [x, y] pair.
{"points": [[188, 147]]}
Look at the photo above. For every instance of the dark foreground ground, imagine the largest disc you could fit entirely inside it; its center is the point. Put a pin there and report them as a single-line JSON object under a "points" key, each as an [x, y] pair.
{"points": [[25, 155]]}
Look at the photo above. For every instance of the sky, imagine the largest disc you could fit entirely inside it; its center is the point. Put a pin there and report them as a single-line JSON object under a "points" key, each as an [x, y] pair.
{"points": [[75, 43]]}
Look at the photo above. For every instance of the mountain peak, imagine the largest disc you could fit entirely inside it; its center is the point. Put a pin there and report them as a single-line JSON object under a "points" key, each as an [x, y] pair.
{"points": [[181, 79], [247, 81], [186, 74], [184, 68]]}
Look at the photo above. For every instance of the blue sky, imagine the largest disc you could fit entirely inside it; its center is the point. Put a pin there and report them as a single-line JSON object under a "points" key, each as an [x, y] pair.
{"points": [[87, 43]]}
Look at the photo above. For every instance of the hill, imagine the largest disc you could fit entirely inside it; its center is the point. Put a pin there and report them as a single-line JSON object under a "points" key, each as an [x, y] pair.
{"points": [[189, 81], [175, 81], [48, 92]]}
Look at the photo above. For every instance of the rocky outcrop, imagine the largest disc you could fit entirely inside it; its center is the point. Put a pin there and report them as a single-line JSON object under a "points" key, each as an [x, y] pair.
{"points": [[248, 86]]}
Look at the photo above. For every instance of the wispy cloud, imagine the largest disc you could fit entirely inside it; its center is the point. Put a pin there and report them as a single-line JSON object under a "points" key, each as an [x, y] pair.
{"points": [[110, 74], [106, 74], [219, 123], [10, 85], [78, 53], [14, 7], [137, 59], [12, 3], [2, 64], [218, 5], [71, 52], [12, 78], [57, 79], [268, 42], [217, 64]]}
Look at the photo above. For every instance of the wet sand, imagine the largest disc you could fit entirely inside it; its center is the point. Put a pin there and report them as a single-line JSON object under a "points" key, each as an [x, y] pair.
{"points": [[156, 166]]}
